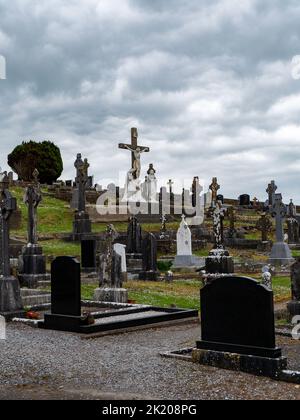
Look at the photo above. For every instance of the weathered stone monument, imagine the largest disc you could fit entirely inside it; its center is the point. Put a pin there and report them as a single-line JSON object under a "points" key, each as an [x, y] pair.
{"points": [[294, 305], [10, 294], [281, 253], [218, 261], [110, 273], [149, 252], [82, 224], [293, 224], [120, 249], [265, 226], [238, 328], [32, 262], [271, 190]]}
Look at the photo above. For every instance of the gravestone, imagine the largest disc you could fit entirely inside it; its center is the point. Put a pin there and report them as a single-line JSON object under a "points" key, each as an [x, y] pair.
{"points": [[2, 328], [293, 231], [184, 257], [281, 253], [120, 249], [244, 200], [32, 262], [82, 224], [271, 190], [10, 294], [88, 255], [218, 261], [110, 273], [149, 251], [238, 328], [232, 219], [267, 277], [65, 295], [134, 237], [294, 305], [264, 224]]}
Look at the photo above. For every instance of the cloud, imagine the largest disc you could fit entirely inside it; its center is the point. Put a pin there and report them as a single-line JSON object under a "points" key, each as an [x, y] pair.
{"points": [[209, 84]]}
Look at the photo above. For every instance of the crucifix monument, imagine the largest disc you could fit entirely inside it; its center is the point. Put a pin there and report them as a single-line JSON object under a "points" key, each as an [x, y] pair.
{"points": [[281, 253]]}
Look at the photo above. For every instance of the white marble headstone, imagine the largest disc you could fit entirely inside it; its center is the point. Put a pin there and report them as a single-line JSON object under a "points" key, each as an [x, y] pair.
{"points": [[121, 250], [184, 239]]}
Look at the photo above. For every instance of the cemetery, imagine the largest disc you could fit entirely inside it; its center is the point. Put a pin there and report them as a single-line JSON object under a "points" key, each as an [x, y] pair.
{"points": [[224, 270], [149, 203]]}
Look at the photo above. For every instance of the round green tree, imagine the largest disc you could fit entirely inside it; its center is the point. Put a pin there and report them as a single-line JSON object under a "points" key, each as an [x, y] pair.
{"points": [[44, 156]]}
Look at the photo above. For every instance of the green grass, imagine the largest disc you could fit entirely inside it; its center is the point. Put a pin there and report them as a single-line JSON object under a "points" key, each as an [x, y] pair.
{"points": [[182, 294], [61, 248]]}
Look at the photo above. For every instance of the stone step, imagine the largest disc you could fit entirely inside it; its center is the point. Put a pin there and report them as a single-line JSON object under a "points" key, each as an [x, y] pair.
{"points": [[36, 300], [44, 283]]}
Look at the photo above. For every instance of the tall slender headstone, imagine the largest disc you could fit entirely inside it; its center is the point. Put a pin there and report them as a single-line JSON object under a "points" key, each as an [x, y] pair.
{"points": [[281, 253], [184, 257], [65, 295], [82, 224], [10, 294], [294, 305], [32, 262], [149, 251]]}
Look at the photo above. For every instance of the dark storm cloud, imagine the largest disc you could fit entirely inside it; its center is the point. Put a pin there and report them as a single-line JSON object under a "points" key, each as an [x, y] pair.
{"points": [[208, 83]]}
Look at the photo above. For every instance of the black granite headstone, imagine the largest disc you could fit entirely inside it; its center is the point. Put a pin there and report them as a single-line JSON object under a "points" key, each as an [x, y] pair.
{"points": [[237, 316], [244, 200], [149, 251], [65, 287], [88, 255]]}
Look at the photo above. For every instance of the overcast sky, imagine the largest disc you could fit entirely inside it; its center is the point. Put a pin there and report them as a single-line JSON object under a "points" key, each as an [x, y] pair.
{"points": [[209, 83]]}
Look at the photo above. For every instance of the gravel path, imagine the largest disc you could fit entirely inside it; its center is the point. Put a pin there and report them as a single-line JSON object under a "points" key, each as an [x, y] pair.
{"points": [[39, 364]]}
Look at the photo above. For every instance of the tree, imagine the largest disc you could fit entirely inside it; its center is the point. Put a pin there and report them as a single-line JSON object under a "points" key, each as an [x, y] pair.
{"points": [[44, 156]]}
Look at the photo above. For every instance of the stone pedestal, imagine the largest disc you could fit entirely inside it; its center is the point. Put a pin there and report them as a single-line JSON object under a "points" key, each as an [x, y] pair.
{"points": [[32, 267], [81, 225], [10, 297], [294, 308], [219, 262], [281, 254], [111, 295], [186, 261]]}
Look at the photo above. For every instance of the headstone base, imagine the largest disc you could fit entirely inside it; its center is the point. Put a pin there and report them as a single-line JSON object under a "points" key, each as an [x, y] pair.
{"points": [[111, 295], [219, 262], [186, 261], [62, 323], [31, 281], [294, 308], [10, 295], [281, 254], [255, 365], [149, 275], [82, 225]]}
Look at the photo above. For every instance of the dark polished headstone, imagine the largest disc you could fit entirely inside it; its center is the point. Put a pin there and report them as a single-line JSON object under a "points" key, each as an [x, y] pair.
{"points": [[65, 287], [237, 316], [134, 237], [244, 200], [149, 251], [294, 305], [88, 255], [219, 262]]}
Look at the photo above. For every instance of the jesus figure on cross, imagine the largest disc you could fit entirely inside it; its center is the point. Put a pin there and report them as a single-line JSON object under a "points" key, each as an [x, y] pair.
{"points": [[136, 170]]}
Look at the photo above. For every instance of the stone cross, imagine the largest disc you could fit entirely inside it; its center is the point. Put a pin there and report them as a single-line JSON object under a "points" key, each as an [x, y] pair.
{"points": [[279, 212], [232, 219], [32, 199], [81, 181], [136, 151], [8, 205], [214, 187], [265, 225], [218, 216], [170, 185], [271, 190]]}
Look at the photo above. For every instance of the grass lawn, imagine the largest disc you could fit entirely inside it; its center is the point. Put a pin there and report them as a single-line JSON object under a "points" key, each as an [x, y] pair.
{"points": [[182, 294]]}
